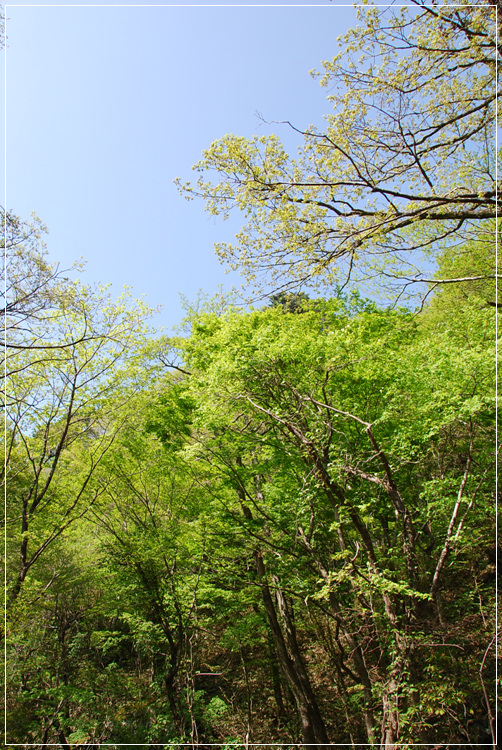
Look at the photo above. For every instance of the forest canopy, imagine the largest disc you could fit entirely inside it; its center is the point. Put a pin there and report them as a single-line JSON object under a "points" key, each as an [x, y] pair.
{"points": [[279, 525]]}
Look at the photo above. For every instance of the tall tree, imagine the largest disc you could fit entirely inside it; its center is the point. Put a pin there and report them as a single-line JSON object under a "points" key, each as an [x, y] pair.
{"points": [[405, 165], [63, 405], [359, 447]]}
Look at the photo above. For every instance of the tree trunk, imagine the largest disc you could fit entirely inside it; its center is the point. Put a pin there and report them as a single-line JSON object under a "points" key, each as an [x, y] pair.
{"points": [[390, 720], [292, 666], [276, 682]]}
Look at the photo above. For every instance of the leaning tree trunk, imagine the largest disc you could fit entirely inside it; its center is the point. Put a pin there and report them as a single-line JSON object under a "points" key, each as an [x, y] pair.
{"points": [[292, 665]]}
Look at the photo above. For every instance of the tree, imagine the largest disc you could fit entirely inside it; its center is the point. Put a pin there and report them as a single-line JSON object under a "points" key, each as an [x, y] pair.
{"points": [[404, 167], [359, 450], [148, 521], [106, 656], [65, 353], [66, 402], [39, 296], [289, 301]]}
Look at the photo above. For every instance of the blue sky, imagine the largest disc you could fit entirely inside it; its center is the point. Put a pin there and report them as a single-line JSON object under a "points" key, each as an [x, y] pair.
{"points": [[107, 105]]}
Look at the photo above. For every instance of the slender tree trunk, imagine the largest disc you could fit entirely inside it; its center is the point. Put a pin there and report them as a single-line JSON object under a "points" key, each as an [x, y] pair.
{"points": [[357, 653], [390, 720], [63, 741], [288, 652], [276, 680], [390, 698], [292, 666]]}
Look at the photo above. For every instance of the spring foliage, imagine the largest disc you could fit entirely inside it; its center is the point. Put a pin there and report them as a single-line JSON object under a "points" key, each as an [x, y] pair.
{"points": [[278, 527]]}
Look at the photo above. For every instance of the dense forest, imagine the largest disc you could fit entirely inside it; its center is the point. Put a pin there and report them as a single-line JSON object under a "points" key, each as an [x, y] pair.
{"points": [[279, 525]]}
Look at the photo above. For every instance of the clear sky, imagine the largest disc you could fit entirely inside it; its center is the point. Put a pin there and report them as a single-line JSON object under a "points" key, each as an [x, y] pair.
{"points": [[105, 106]]}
